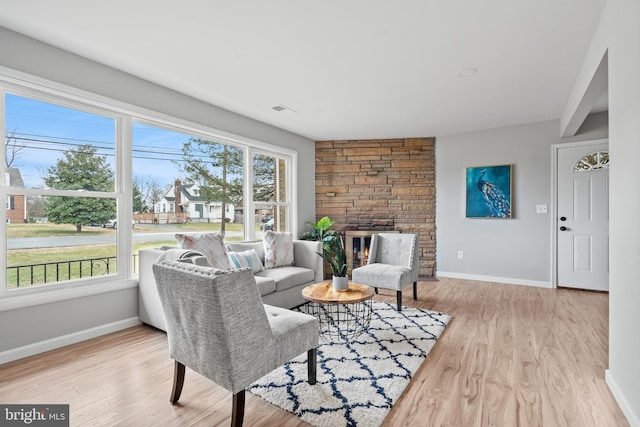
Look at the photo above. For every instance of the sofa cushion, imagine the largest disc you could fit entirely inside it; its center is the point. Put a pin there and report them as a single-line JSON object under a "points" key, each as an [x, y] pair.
{"points": [[246, 259], [211, 245], [256, 245], [200, 260], [177, 254], [287, 277], [266, 285], [278, 249]]}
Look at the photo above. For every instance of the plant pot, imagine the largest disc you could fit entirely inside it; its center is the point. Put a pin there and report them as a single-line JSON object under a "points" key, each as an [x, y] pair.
{"points": [[340, 283]]}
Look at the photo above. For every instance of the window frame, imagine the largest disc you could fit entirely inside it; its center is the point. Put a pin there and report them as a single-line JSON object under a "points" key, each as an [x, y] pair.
{"points": [[125, 114], [250, 147], [289, 181], [119, 192]]}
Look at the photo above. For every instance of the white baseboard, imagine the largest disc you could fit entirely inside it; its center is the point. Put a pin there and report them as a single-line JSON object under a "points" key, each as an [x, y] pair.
{"points": [[57, 342], [627, 409], [507, 280]]}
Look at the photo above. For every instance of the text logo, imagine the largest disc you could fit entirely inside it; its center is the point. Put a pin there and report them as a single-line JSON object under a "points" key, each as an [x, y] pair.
{"points": [[34, 415]]}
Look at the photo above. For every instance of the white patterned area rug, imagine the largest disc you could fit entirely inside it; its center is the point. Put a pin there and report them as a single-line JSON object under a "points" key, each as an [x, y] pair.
{"points": [[357, 382]]}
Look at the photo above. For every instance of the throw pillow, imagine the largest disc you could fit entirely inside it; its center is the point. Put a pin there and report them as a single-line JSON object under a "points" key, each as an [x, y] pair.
{"points": [[256, 245], [211, 245], [278, 249], [245, 259]]}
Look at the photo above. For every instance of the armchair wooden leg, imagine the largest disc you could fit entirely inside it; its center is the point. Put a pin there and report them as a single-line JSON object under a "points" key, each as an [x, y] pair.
{"points": [[312, 363], [178, 381], [415, 291], [399, 300], [375, 290], [237, 416]]}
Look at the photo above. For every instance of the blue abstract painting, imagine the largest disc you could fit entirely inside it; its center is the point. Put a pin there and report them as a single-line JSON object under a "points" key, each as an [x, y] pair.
{"points": [[489, 192]]}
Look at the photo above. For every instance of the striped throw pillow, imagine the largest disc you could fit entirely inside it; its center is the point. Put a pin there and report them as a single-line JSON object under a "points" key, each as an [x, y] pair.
{"points": [[246, 259]]}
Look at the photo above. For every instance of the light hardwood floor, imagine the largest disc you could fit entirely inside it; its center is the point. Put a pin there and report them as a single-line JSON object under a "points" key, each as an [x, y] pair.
{"points": [[511, 356]]}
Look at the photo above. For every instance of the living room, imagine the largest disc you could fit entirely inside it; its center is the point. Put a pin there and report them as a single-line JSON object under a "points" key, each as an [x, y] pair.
{"points": [[511, 252]]}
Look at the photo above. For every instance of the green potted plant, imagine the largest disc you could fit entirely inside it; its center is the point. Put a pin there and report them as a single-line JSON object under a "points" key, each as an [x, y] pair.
{"points": [[333, 251], [336, 257]]}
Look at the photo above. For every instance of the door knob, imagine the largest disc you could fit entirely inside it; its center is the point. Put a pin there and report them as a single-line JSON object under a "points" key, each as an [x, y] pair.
{"points": [[563, 218], [563, 228]]}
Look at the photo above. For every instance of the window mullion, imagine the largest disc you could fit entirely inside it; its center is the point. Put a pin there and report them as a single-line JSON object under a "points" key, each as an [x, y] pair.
{"points": [[3, 195], [249, 208], [124, 191]]}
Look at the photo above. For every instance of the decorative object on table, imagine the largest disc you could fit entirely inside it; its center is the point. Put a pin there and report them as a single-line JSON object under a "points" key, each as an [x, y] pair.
{"points": [[333, 251], [340, 283], [357, 382], [336, 257], [393, 264], [343, 315], [489, 192]]}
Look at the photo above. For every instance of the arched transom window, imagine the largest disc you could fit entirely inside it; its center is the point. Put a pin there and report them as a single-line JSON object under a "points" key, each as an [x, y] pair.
{"points": [[593, 161]]}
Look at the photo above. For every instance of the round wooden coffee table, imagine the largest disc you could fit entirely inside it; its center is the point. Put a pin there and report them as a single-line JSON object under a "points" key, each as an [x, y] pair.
{"points": [[343, 315]]}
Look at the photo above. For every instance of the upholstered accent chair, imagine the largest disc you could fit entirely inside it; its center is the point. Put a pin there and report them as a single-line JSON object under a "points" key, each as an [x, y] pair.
{"points": [[393, 264], [218, 326]]}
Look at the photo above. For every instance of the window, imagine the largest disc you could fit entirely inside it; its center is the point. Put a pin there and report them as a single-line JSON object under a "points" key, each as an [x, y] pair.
{"points": [[77, 169], [203, 180], [593, 161], [200, 177], [60, 173], [270, 192]]}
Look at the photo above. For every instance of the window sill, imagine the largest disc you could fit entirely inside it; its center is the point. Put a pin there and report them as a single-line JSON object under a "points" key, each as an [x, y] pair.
{"points": [[16, 300]]}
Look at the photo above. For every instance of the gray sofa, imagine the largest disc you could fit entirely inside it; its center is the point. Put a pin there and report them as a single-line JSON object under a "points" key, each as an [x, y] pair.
{"points": [[280, 286]]}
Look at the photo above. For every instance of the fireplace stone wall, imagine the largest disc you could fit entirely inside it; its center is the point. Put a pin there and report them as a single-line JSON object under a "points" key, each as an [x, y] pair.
{"points": [[380, 185]]}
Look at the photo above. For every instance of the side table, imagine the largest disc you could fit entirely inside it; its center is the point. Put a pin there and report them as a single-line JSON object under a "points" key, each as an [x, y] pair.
{"points": [[343, 315]]}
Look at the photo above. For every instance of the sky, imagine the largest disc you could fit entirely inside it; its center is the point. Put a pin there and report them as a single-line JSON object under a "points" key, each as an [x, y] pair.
{"points": [[47, 130]]}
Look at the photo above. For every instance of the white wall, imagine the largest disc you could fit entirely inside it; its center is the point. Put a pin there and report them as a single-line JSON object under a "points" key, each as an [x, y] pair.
{"points": [[516, 250], [618, 35], [620, 30], [41, 327], [617, 40]]}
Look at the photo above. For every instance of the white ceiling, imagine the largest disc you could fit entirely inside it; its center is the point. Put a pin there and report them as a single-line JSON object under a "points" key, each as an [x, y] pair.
{"points": [[351, 69]]}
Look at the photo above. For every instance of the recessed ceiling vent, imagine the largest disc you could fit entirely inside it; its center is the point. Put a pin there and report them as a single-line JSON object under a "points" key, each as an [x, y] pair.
{"points": [[467, 72], [283, 109]]}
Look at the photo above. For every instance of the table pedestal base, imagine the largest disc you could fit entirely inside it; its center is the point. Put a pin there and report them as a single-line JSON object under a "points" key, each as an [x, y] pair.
{"points": [[341, 322]]}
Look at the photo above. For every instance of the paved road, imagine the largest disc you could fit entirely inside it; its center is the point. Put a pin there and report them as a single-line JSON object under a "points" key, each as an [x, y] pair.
{"points": [[51, 242]]}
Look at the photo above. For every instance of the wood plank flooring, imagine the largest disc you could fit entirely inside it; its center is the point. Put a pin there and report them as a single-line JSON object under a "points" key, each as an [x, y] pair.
{"points": [[511, 356]]}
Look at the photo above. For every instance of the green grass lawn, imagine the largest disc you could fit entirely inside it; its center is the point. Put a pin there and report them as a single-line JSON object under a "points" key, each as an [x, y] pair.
{"points": [[65, 261], [58, 230]]}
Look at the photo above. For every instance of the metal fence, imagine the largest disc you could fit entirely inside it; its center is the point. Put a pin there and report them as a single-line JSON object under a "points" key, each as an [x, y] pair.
{"points": [[50, 272]]}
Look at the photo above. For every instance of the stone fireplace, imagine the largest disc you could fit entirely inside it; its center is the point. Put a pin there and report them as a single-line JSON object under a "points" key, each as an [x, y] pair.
{"points": [[376, 185]]}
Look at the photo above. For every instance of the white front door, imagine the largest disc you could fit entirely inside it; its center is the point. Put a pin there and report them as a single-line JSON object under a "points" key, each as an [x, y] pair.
{"points": [[583, 216]]}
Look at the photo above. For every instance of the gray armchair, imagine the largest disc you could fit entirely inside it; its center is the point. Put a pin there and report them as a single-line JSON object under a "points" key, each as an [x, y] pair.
{"points": [[393, 264], [218, 326]]}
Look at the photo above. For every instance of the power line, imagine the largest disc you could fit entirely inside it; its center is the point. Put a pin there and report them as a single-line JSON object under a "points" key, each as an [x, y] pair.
{"points": [[60, 137], [70, 144]]}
